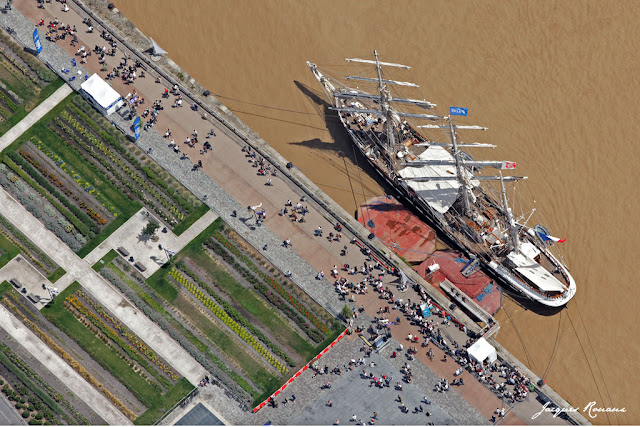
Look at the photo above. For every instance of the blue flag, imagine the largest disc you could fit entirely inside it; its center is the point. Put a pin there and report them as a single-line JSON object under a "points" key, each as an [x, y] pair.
{"points": [[136, 127], [458, 111], [36, 40]]}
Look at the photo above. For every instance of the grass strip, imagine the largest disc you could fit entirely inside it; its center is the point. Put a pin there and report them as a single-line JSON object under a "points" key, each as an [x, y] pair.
{"points": [[9, 251], [106, 259], [4, 287], [57, 273], [168, 401]]}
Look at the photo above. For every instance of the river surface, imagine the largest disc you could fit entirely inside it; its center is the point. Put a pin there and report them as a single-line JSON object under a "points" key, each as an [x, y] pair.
{"points": [[555, 82]]}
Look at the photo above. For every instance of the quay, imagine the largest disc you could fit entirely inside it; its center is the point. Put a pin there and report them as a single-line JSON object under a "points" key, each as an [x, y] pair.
{"points": [[227, 183]]}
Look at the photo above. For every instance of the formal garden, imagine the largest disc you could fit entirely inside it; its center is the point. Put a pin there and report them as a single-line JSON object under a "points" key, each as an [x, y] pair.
{"points": [[82, 178], [232, 311], [39, 396], [117, 362]]}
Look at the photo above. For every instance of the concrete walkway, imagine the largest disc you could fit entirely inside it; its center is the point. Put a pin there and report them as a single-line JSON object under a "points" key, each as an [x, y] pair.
{"points": [[35, 115], [144, 250], [92, 397], [110, 298]]}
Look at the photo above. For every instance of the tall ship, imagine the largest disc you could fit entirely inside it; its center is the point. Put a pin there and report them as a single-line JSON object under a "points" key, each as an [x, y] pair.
{"points": [[446, 185]]}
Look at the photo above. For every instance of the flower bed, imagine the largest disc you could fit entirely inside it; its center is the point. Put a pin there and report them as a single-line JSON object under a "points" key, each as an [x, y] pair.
{"points": [[227, 320], [75, 176], [45, 178], [58, 397], [272, 283], [140, 347], [140, 181], [235, 315]]}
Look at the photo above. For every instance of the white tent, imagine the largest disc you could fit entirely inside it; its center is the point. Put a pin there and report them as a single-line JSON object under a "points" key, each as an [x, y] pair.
{"points": [[157, 50], [101, 95], [482, 350]]}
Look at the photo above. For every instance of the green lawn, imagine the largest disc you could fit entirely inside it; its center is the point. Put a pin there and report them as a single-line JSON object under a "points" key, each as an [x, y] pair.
{"points": [[108, 359], [4, 287], [170, 398], [7, 251], [262, 310], [21, 113], [58, 273], [106, 259]]}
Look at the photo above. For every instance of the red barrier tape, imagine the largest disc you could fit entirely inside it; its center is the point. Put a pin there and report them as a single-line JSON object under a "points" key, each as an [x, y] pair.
{"points": [[297, 374]]}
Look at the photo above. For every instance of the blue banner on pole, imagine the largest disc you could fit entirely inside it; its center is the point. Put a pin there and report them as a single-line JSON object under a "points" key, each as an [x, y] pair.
{"points": [[458, 111], [136, 127], [36, 40]]}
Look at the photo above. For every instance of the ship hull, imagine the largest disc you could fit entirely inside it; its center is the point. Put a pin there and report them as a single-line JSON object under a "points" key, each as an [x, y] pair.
{"points": [[437, 220]]}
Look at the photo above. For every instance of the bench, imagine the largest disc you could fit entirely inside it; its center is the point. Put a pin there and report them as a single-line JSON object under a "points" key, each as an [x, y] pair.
{"points": [[16, 283], [140, 266], [123, 251]]}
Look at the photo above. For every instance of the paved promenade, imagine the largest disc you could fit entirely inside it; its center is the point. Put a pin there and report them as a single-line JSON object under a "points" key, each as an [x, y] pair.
{"points": [[85, 391]]}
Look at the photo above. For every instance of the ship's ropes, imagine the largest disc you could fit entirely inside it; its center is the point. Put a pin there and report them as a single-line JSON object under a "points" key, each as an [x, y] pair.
{"points": [[587, 359], [532, 363], [596, 359], [558, 339]]}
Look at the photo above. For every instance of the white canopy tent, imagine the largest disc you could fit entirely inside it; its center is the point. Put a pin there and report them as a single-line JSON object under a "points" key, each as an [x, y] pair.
{"points": [[482, 350], [101, 95]]}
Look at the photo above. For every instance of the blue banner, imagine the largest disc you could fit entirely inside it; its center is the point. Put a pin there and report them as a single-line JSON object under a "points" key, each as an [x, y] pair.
{"points": [[458, 111], [136, 127], [36, 40]]}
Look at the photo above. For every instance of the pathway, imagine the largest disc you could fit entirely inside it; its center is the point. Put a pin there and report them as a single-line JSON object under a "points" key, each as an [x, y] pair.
{"points": [[144, 250], [93, 398], [43, 108], [78, 269]]}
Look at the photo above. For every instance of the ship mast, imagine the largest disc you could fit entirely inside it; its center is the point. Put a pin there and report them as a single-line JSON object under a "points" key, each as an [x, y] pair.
{"points": [[459, 171], [512, 225], [384, 104]]}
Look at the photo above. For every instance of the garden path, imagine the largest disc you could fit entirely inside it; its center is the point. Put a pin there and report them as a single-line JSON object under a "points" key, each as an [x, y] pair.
{"points": [[61, 369], [110, 298], [35, 115]]}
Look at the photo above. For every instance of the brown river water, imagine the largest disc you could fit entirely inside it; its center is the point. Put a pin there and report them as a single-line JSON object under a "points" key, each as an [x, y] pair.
{"points": [[556, 84]]}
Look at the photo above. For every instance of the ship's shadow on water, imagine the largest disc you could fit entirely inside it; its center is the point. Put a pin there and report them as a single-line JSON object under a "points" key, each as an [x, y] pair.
{"points": [[340, 143]]}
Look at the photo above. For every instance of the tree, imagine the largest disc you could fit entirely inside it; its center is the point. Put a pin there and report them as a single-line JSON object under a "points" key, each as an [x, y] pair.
{"points": [[150, 228], [346, 312]]}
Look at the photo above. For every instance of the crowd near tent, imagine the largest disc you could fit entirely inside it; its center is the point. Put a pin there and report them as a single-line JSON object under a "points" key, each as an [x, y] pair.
{"points": [[482, 350], [101, 95]]}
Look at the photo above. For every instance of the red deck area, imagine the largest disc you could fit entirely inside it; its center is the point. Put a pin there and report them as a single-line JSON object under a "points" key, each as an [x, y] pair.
{"points": [[409, 237], [478, 286], [398, 228]]}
